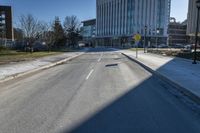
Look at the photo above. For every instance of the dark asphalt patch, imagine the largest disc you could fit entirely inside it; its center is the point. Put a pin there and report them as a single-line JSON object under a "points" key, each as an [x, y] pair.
{"points": [[111, 65]]}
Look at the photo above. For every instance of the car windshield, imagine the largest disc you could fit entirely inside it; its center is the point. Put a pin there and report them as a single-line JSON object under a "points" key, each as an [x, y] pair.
{"points": [[99, 66]]}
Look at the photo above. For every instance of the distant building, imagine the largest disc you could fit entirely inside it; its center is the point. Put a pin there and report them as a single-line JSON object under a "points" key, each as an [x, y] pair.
{"points": [[177, 33], [119, 20], [6, 28], [89, 31], [18, 34]]}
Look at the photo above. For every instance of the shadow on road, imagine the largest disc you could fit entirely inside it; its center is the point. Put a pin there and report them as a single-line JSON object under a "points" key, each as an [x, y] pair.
{"points": [[147, 108]]}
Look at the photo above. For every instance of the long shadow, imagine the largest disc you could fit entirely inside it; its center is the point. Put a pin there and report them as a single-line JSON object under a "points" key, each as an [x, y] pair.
{"points": [[146, 108]]}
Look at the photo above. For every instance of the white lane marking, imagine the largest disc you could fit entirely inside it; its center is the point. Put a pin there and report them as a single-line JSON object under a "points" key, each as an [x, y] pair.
{"points": [[89, 74], [100, 57]]}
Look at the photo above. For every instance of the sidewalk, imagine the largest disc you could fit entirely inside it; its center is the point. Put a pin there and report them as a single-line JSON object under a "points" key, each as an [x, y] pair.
{"points": [[180, 71], [10, 71]]}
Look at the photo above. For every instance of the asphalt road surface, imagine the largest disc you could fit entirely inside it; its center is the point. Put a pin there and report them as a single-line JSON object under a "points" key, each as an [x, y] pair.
{"points": [[99, 92]]}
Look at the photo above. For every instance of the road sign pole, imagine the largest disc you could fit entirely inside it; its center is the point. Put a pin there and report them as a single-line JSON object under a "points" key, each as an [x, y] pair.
{"points": [[137, 50], [137, 38]]}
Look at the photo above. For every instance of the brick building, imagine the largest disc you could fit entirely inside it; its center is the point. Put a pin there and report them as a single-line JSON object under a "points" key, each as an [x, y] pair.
{"points": [[6, 28]]}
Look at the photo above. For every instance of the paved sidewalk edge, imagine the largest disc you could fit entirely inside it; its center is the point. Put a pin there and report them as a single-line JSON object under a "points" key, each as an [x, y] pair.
{"points": [[180, 88], [14, 76], [185, 59]]}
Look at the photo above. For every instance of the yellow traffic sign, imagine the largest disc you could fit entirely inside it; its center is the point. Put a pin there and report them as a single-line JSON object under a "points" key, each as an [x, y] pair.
{"points": [[137, 37]]}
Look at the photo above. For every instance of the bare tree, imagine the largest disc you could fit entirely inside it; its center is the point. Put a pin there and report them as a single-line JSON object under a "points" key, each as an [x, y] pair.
{"points": [[30, 27], [72, 29], [47, 35], [71, 23], [50, 40], [18, 34]]}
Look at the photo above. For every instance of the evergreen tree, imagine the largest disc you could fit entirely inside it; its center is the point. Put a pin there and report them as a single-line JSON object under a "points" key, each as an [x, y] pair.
{"points": [[58, 33]]}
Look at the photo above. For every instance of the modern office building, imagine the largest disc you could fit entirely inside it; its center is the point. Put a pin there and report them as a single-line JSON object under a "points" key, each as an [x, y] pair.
{"points": [[117, 19], [6, 28], [89, 31], [89, 28], [177, 32], [192, 20]]}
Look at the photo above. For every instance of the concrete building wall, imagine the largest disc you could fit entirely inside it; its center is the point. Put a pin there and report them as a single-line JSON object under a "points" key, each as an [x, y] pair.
{"points": [[177, 33], [192, 17], [192, 21]]}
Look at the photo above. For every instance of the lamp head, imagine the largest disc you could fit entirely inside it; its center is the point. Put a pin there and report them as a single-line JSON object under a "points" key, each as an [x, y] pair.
{"points": [[145, 27]]}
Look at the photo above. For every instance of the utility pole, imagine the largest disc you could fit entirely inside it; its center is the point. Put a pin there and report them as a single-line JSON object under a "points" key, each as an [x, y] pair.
{"points": [[145, 35], [157, 33], [196, 34]]}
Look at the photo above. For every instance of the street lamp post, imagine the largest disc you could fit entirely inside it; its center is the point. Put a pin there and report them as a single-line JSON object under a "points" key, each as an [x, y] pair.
{"points": [[157, 33], [196, 34], [145, 36], [170, 42]]}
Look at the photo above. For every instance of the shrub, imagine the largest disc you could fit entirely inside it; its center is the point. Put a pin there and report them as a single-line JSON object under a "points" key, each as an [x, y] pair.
{"points": [[2, 48]]}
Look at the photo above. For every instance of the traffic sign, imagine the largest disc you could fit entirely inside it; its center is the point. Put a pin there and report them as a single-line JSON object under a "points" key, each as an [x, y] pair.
{"points": [[137, 37]]}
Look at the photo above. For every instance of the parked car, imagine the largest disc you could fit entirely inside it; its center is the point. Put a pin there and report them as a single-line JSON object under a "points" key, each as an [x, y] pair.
{"points": [[178, 46], [81, 44], [38, 46], [162, 46], [193, 46], [187, 48]]}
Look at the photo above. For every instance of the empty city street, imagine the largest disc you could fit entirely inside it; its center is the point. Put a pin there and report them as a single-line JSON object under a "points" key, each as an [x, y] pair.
{"points": [[101, 91]]}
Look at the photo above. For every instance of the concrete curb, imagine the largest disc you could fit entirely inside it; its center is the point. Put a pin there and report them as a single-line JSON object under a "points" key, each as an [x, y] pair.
{"points": [[180, 88], [11, 77]]}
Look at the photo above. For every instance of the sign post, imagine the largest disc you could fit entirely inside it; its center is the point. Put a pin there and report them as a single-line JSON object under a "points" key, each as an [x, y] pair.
{"points": [[137, 37]]}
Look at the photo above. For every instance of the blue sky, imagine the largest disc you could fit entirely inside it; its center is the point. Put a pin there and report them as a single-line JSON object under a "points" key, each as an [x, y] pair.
{"points": [[179, 9], [46, 10]]}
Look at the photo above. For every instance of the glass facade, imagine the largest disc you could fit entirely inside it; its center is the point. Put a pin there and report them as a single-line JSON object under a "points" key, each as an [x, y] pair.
{"points": [[127, 17], [89, 28]]}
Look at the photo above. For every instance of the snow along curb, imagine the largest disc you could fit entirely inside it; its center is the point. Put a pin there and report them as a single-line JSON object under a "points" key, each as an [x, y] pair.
{"points": [[14, 76], [180, 88]]}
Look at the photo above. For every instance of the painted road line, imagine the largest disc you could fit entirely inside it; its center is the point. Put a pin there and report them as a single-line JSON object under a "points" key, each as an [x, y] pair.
{"points": [[100, 57], [88, 76]]}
